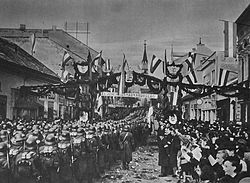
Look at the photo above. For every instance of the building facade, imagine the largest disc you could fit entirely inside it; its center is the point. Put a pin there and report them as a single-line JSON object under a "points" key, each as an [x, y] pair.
{"points": [[213, 107], [243, 34], [49, 47], [18, 68]]}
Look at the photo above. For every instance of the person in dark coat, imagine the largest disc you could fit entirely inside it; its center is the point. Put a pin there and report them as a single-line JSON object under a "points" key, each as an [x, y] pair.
{"points": [[126, 143], [174, 148], [164, 141]]}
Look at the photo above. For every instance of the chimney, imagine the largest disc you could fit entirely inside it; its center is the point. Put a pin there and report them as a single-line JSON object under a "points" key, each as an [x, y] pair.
{"points": [[22, 27], [54, 27]]}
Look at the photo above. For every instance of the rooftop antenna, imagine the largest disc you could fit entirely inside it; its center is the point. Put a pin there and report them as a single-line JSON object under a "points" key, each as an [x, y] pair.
{"points": [[78, 28]]}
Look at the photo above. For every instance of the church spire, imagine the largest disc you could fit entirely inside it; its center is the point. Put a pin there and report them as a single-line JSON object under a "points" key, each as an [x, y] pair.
{"points": [[145, 59]]}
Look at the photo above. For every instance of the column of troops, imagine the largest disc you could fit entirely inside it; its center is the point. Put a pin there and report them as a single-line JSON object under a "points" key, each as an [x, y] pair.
{"points": [[60, 151]]}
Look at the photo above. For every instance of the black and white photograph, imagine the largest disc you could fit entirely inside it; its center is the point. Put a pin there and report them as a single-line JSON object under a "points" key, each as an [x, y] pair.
{"points": [[124, 91]]}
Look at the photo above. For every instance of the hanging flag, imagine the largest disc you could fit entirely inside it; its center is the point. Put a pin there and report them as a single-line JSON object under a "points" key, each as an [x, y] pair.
{"points": [[150, 113], [107, 67], [89, 61], [223, 77], [97, 63], [155, 63], [175, 96], [230, 38], [191, 77], [66, 76], [33, 42], [190, 60], [121, 86], [164, 63], [99, 104], [66, 59]]}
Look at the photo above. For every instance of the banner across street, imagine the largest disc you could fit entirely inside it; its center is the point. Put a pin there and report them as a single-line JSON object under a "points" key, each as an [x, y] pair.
{"points": [[134, 95]]}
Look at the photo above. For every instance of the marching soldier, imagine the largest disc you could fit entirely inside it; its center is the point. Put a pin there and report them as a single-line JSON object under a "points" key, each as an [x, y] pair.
{"points": [[15, 148], [26, 169], [4, 169], [49, 160], [65, 157], [92, 150], [126, 143], [101, 154], [80, 162]]}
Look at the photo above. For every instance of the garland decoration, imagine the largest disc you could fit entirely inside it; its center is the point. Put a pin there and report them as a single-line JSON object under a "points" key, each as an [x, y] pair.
{"points": [[154, 84]]}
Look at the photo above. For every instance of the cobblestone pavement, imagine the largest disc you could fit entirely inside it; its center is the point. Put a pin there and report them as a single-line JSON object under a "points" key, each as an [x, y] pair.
{"points": [[144, 168]]}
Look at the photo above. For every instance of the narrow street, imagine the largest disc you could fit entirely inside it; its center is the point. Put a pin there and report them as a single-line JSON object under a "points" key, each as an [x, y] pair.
{"points": [[143, 168]]}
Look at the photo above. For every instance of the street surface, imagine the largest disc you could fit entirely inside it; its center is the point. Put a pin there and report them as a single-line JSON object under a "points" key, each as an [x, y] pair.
{"points": [[144, 168]]}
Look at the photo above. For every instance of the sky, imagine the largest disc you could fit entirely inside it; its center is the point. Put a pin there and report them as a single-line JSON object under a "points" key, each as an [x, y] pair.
{"points": [[121, 26]]}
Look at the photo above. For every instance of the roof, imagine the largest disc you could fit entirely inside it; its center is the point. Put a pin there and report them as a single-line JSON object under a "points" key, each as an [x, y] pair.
{"points": [[71, 44], [244, 17], [58, 36], [14, 54]]}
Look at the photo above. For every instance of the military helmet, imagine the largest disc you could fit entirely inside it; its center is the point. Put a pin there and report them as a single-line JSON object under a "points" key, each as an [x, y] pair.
{"points": [[18, 139], [81, 132], [3, 148], [3, 135], [30, 143], [50, 139], [65, 136], [126, 128]]}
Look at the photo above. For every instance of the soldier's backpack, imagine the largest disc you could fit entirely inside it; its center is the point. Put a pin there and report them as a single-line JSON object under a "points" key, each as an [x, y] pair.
{"points": [[49, 157], [24, 164]]}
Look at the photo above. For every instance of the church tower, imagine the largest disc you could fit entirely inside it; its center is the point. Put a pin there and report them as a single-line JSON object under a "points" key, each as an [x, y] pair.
{"points": [[145, 60]]}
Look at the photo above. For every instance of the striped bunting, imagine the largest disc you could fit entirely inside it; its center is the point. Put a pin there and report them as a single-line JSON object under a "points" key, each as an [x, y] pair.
{"points": [[223, 77], [191, 77], [190, 60], [154, 63]]}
